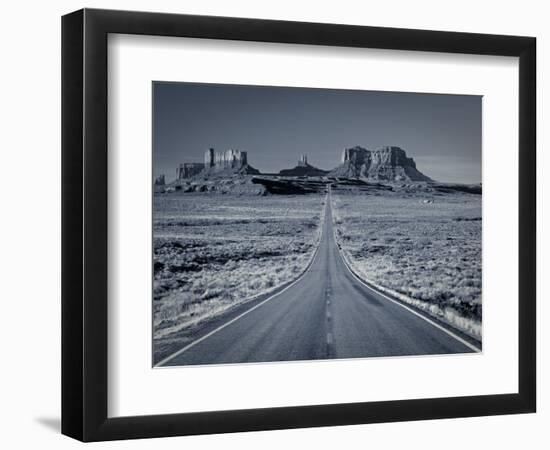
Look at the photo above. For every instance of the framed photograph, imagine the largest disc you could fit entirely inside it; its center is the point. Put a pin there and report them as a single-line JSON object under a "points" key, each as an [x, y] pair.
{"points": [[273, 224]]}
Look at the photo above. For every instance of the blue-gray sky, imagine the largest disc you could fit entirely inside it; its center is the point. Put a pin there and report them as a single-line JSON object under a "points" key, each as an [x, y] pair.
{"points": [[277, 124]]}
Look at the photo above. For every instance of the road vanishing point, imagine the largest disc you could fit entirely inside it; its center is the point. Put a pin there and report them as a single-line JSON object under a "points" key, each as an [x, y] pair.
{"points": [[327, 313]]}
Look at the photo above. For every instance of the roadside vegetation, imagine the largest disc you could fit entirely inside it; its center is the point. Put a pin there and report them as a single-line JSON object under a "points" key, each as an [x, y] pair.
{"points": [[423, 248], [213, 252]]}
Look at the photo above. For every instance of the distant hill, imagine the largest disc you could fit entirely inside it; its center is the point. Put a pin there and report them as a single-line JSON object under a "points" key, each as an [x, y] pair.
{"points": [[303, 169], [227, 163], [227, 172], [386, 164]]}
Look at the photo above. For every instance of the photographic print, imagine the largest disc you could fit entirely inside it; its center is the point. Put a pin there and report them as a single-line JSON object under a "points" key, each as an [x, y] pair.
{"points": [[299, 224]]}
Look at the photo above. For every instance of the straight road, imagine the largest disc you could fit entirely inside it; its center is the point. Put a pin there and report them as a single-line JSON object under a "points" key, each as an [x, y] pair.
{"points": [[327, 313]]}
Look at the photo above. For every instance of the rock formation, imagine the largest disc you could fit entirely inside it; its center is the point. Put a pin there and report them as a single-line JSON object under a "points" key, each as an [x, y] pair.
{"points": [[227, 163], [303, 169], [386, 163], [159, 185], [188, 170]]}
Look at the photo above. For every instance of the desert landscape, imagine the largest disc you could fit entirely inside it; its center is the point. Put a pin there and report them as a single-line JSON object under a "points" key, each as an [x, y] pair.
{"points": [[422, 247], [213, 253], [227, 236]]}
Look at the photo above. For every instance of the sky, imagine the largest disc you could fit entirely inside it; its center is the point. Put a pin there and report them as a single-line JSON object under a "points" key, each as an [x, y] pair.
{"points": [[275, 125]]}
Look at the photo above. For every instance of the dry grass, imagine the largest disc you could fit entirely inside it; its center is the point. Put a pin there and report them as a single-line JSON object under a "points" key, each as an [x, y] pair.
{"points": [[425, 248], [214, 252]]}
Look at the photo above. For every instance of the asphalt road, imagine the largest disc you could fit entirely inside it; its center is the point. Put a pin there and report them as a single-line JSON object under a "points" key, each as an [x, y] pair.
{"points": [[327, 313]]}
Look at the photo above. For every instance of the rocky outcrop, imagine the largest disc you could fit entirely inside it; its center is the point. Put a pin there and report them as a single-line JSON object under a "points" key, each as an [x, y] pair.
{"points": [[292, 186], [188, 170], [159, 185], [386, 163], [355, 160], [303, 169], [227, 163]]}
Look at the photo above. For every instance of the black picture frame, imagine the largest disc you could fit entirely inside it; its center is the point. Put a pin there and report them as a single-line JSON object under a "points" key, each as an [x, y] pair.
{"points": [[84, 224]]}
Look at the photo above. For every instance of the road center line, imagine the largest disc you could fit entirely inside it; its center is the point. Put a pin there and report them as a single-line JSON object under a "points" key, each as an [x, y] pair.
{"points": [[431, 322], [207, 335]]}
